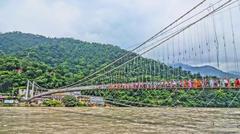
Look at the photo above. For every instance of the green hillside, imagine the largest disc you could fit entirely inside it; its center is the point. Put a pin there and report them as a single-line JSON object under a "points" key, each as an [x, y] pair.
{"points": [[55, 62], [75, 54]]}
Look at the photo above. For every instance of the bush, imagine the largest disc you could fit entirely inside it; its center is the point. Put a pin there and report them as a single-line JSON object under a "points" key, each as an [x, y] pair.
{"points": [[70, 101], [82, 104], [51, 103]]}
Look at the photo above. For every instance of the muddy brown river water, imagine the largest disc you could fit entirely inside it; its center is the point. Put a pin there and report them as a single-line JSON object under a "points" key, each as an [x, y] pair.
{"points": [[118, 120]]}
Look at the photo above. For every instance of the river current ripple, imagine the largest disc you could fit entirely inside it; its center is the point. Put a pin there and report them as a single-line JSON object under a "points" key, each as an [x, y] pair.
{"points": [[118, 120]]}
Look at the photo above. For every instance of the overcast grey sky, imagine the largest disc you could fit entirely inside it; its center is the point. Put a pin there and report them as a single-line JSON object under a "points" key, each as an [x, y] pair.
{"points": [[125, 23], [118, 22]]}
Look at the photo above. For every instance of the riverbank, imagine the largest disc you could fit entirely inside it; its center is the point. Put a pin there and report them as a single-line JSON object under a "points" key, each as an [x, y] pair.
{"points": [[155, 98]]}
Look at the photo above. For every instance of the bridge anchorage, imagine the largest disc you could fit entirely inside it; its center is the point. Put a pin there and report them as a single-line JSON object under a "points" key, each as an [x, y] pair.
{"points": [[194, 58]]}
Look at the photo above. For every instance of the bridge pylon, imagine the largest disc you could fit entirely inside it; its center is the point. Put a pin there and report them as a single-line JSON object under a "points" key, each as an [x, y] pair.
{"points": [[27, 90], [30, 90]]}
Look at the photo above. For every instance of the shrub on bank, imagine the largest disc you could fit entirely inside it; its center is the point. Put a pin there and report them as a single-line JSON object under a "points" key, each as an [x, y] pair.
{"points": [[82, 104], [70, 101], [52, 103]]}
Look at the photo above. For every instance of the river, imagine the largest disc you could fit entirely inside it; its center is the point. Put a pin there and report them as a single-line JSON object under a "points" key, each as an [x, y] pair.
{"points": [[118, 120]]}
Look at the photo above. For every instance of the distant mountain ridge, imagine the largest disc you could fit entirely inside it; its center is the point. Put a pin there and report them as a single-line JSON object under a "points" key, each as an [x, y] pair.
{"points": [[207, 71], [235, 72]]}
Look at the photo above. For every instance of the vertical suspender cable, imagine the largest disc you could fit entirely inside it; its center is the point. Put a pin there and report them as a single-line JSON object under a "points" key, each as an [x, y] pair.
{"points": [[224, 44], [233, 42], [216, 39], [235, 53]]}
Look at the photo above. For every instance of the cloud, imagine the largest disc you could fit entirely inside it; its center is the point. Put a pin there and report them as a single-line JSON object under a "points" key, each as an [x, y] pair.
{"points": [[125, 23], [40, 17]]}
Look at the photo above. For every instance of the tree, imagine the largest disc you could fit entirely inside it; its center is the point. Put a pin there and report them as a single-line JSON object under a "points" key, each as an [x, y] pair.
{"points": [[70, 101], [51, 103]]}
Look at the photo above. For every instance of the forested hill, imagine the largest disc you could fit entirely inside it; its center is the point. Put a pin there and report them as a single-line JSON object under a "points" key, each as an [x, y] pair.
{"points": [[55, 62], [64, 59], [77, 55]]}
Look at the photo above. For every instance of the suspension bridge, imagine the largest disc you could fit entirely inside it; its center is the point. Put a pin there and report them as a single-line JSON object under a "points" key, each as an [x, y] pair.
{"points": [[206, 36]]}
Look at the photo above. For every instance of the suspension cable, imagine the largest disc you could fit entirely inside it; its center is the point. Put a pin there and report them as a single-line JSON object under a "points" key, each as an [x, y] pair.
{"points": [[176, 33], [150, 39]]}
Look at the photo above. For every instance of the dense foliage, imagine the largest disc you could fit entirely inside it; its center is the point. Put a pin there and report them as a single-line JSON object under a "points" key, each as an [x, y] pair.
{"points": [[51, 62], [55, 62], [70, 101], [68, 54], [184, 98], [14, 72], [52, 103]]}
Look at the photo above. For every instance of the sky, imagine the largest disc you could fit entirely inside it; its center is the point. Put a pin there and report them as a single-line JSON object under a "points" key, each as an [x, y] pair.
{"points": [[125, 23], [120, 22]]}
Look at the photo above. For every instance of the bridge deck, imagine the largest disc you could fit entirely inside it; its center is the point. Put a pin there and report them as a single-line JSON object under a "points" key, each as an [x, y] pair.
{"points": [[86, 88]]}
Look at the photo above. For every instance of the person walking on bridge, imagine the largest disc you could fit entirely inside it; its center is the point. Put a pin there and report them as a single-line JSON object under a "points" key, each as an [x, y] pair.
{"points": [[237, 83], [189, 83]]}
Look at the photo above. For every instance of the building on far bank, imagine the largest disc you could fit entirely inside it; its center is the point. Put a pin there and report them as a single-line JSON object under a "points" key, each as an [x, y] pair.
{"points": [[8, 100], [2, 99]]}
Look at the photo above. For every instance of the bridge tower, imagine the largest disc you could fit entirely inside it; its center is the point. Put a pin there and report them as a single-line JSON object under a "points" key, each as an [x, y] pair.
{"points": [[27, 90], [30, 90]]}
